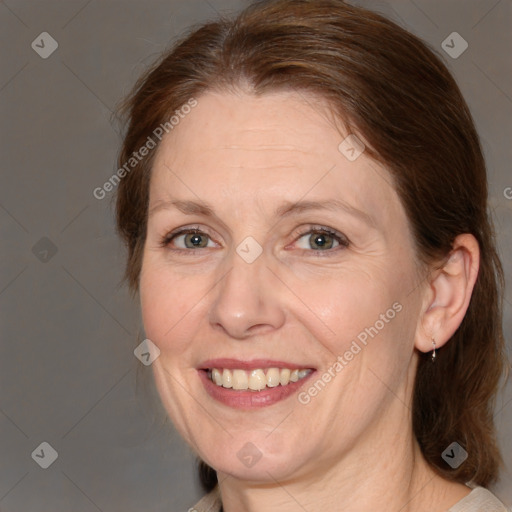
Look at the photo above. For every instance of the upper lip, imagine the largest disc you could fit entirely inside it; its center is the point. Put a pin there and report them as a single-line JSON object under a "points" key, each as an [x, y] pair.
{"points": [[253, 364]]}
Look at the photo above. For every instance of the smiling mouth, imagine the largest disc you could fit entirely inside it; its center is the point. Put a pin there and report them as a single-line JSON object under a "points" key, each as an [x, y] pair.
{"points": [[257, 379]]}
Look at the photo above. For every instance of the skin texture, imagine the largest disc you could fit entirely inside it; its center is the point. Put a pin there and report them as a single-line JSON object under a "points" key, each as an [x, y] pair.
{"points": [[352, 446]]}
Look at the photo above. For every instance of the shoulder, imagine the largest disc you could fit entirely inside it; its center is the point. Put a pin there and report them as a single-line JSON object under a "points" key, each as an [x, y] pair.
{"points": [[209, 503], [479, 500]]}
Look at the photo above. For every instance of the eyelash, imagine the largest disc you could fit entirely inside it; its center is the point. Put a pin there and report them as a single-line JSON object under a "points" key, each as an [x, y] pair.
{"points": [[321, 230]]}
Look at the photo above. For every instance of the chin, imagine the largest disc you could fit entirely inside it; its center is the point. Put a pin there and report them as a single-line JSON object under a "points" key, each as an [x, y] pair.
{"points": [[256, 460]]}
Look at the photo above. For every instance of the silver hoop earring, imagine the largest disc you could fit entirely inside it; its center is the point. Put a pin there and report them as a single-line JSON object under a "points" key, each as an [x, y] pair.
{"points": [[433, 351]]}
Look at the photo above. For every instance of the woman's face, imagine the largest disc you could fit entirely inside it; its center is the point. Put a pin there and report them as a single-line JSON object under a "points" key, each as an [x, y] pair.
{"points": [[301, 259]]}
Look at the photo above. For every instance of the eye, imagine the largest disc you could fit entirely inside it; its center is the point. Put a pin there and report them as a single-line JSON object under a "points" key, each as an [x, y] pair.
{"points": [[321, 239], [187, 238]]}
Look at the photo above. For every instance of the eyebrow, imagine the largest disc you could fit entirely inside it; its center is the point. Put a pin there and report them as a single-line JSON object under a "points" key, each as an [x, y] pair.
{"points": [[287, 209]]}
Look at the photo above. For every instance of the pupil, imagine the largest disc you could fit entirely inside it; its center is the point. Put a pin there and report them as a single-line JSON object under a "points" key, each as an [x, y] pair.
{"points": [[320, 240]]}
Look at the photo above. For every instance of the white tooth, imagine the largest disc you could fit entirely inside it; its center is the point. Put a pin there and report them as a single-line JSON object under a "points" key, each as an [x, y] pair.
{"points": [[294, 376], [284, 376], [257, 380], [273, 377], [240, 380], [303, 373], [227, 379], [217, 377]]}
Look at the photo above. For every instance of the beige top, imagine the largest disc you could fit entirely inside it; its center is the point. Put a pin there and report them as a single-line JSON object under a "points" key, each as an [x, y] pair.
{"points": [[478, 500]]}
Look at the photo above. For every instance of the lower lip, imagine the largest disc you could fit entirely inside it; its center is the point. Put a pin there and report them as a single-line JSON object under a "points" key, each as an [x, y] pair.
{"points": [[250, 399]]}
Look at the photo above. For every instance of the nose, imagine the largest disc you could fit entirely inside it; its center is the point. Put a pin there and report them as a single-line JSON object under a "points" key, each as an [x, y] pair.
{"points": [[247, 300]]}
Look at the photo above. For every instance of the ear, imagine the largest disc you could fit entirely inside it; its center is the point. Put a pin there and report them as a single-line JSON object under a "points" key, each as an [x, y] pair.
{"points": [[448, 294]]}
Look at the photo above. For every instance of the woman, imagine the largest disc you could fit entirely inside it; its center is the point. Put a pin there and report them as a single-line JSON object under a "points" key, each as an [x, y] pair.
{"points": [[315, 263]]}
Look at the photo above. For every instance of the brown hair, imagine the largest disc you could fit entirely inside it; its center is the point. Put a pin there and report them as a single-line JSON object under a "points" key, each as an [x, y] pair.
{"points": [[385, 84]]}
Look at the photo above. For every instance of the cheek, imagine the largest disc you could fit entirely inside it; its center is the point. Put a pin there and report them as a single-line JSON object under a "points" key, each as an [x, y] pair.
{"points": [[346, 300], [168, 304], [358, 311]]}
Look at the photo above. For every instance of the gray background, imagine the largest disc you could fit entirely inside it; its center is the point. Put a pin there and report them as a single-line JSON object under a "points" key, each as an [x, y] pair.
{"points": [[68, 375]]}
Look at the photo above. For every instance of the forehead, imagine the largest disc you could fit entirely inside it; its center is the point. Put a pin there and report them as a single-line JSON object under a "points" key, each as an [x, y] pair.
{"points": [[240, 148], [273, 126]]}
